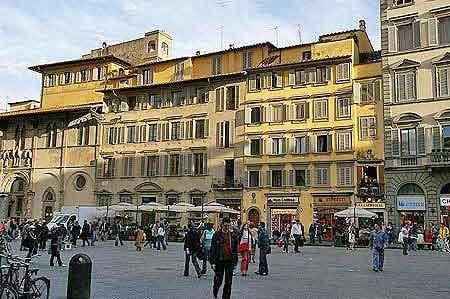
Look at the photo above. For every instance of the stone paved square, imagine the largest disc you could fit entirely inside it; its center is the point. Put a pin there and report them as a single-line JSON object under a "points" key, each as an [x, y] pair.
{"points": [[317, 272]]}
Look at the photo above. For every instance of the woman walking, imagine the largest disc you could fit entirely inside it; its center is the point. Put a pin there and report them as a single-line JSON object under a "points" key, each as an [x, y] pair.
{"points": [[140, 238], [244, 248], [285, 238], [254, 232]]}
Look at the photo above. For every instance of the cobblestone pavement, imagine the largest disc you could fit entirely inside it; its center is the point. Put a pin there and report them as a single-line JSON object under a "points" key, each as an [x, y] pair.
{"points": [[317, 272]]}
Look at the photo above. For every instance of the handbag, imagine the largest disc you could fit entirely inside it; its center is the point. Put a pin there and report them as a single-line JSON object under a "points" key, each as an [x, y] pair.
{"points": [[243, 247]]}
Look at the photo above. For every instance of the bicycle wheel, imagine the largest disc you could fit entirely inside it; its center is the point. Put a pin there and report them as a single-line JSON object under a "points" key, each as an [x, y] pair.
{"points": [[40, 288], [9, 292]]}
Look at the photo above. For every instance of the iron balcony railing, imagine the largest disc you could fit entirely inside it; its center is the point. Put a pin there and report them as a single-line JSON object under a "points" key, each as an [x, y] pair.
{"points": [[440, 157], [227, 184]]}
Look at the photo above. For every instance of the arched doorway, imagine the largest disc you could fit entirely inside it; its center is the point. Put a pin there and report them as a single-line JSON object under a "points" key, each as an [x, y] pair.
{"points": [[16, 199], [411, 204], [445, 204], [253, 216]]}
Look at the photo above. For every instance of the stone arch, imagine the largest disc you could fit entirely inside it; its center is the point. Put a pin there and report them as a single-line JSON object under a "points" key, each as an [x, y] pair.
{"points": [[148, 187], [47, 193], [407, 118], [254, 214], [10, 178]]}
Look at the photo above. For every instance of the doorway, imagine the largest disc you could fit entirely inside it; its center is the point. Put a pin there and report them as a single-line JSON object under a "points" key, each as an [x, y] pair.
{"points": [[148, 217]]}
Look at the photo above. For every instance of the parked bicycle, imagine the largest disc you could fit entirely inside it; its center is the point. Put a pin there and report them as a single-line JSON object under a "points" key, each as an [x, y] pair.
{"points": [[27, 287]]}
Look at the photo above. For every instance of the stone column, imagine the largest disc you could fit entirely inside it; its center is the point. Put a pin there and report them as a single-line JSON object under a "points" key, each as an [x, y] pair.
{"points": [[29, 206], [3, 199]]}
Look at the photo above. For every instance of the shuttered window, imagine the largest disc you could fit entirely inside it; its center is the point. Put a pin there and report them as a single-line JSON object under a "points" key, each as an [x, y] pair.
{"points": [[443, 74], [345, 175], [344, 141], [320, 109], [216, 65], [301, 145], [200, 163], [246, 60], [322, 176], [147, 76], [253, 178], [343, 107], [444, 30], [370, 92], [405, 86], [109, 169], [367, 127], [128, 166], [343, 72]]}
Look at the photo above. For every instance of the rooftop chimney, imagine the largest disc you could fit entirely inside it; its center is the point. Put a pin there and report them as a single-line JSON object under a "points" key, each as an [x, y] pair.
{"points": [[231, 46], [362, 25], [197, 53]]}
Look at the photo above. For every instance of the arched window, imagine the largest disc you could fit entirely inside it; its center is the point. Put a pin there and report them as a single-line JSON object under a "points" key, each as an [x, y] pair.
{"points": [[51, 135], [410, 189], [20, 136], [18, 186], [165, 48], [446, 189], [49, 195], [151, 46]]}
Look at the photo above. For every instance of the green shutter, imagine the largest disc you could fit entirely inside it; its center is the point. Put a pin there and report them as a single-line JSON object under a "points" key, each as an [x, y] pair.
{"points": [[436, 138], [421, 140], [395, 143]]}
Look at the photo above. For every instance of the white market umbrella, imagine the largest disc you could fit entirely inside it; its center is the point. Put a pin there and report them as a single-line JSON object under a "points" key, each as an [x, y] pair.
{"points": [[213, 207], [181, 207], [122, 206], [153, 207], [355, 212]]}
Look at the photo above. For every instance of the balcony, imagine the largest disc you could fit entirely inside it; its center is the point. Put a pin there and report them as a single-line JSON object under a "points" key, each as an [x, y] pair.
{"points": [[371, 192], [439, 158], [227, 184], [408, 161]]}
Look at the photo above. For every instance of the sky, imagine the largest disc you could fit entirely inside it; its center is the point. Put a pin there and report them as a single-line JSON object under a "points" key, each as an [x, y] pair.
{"points": [[43, 31]]}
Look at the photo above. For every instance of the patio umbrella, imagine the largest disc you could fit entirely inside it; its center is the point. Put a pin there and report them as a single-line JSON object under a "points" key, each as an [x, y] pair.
{"points": [[355, 212], [213, 207], [181, 207], [122, 206], [153, 207]]}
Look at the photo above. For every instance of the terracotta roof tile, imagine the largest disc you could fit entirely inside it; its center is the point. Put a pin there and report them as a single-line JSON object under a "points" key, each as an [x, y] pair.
{"points": [[47, 110]]}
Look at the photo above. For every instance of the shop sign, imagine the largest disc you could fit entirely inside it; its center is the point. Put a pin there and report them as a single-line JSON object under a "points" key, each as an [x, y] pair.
{"points": [[290, 199], [371, 205], [332, 201], [445, 201], [284, 212], [411, 203]]}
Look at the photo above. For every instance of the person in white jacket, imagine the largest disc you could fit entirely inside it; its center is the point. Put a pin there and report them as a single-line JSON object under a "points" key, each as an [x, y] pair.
{"points": [[403, 238]]}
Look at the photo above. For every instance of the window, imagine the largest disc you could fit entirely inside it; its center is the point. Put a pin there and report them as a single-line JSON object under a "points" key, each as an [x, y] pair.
{"points": [[112, 135], [253, 178], [155, 101], [50, 80], [444, 30], [406, 86], [83, 135], [306, 76], [443, 74], [201, 128], [128, 166], [176, 131], [246, 60], [174, 165], [189, 129], [232, 97], [149, 166], [278, 113], [277, 146], [446, 136], [408, 142], [368, 127], [142, 133], [200, 164], [202, 95], [306, 55], [52, 133], [301, 145], [320, 109], [197, 200], [343, 72], [152, 132], [131, 134], [67, 78], [277, 80], [131, 101], [255, 115], [258, 81], [165, 48], [128, 198], [323, 143], [300, 177], [277, 178], [147, 76], [299, 111], [345, 176], [344, 141], [405, 37], [20, 136], [216, 65], [255, 147], [151, 46], [224, 134], [322, 177], [343, 107], [255, 82], [179, 71], [84, 75], [402, 2], [370, 92], [321, 76], [80, 182], [177, 98]]}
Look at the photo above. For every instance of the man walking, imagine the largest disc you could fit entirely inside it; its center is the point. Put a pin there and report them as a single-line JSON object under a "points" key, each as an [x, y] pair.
{"points": [[192, 249], [378, 242], [161, 237], [223, 258], [118, 230], [264, 250], [297, 232]]}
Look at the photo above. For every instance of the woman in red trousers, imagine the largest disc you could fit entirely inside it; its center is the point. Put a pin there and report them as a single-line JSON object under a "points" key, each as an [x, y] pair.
{"points": [[244, 247]]}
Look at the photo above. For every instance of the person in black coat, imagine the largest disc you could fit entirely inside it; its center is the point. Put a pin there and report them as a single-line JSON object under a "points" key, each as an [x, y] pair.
{"points": [[43, 237], [223, 257], [85, 233], [76, 230], [192, 249], [55, 236]]}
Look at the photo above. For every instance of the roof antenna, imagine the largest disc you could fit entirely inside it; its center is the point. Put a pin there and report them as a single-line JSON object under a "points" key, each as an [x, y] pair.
{"points": [[299, 33], [222, 4], [276, 34]]}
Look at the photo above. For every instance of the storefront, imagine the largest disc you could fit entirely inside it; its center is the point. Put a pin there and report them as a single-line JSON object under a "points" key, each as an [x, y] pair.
{"points": [[378, 208], [411, 208], [324, 208], [283, 210]]}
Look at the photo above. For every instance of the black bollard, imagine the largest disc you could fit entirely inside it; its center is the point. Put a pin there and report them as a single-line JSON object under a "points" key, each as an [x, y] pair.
{"points": [[79, 280]]}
